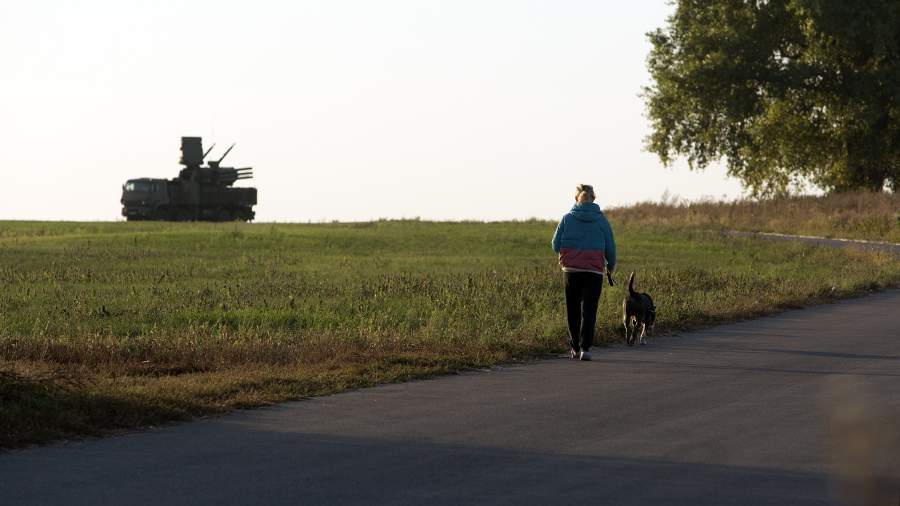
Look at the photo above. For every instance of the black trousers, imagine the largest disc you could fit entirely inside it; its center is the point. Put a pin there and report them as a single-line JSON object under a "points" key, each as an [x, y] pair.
{"points": [[582, 296]]}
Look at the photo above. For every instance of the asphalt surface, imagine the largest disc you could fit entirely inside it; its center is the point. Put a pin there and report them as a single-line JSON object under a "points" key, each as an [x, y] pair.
{"points": [[735, 414]]}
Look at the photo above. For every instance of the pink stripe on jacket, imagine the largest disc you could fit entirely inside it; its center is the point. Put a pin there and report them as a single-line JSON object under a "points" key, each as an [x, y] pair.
{"points": [[588, 260]]}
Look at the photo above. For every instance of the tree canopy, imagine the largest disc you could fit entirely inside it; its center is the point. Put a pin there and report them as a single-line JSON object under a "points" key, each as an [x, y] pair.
{"points": [[788, 93]]}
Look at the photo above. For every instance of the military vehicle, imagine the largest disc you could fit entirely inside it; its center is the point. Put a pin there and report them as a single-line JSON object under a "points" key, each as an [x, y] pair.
{"points": [[199, 193]]}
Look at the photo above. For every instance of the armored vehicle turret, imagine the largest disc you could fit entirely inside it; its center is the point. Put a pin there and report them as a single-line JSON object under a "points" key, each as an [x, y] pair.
{"points": [[199, 193]]}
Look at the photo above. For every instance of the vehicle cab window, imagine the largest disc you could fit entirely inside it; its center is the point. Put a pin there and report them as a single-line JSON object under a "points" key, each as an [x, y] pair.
{"points": [[137, 186]]}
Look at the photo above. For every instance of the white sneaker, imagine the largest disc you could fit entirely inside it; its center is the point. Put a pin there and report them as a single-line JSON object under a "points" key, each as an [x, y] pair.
{"points": [[573, 354], [585, 355]]}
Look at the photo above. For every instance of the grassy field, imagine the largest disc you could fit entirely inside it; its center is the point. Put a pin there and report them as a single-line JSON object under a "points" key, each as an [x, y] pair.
{"points": [[851, 215], [107, 326]]}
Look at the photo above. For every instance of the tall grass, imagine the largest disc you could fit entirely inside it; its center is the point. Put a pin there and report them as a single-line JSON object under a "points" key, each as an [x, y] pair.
{"points": [[852, 215]]}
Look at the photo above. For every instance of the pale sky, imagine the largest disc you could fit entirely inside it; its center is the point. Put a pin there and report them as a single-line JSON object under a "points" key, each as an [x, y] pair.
{"points": [[347, 110]]}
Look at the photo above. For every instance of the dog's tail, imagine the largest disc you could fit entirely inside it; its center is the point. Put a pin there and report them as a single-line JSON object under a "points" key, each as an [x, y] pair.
{"points": [[631, 285]]}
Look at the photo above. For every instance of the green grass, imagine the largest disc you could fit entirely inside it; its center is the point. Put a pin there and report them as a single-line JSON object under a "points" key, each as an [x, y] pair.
{"points": [[107, 326]]}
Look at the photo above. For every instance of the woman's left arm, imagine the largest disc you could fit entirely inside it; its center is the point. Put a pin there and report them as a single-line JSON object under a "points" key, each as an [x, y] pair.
{"points": [[557, 236]]}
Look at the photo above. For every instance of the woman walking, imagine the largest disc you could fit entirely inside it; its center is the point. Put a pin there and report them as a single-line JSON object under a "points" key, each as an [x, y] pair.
{"points": [[586, 248]]}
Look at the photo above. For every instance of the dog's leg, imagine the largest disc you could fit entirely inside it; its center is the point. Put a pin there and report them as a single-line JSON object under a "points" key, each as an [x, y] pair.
{"points": [[632, 330], [643, 333]]}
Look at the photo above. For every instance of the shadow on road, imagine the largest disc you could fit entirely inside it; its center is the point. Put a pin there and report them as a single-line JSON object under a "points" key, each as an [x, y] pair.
{"points": [[288, 468]]}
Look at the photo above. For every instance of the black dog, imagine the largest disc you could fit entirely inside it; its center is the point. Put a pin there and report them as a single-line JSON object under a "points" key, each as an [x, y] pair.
{"points": [[638, 310]]}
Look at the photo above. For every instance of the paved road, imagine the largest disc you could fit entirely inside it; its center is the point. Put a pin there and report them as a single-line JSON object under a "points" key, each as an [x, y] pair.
{"points": [[730, 415]]}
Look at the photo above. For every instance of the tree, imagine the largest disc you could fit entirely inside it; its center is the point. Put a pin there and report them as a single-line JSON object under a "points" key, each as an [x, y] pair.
{"points": [[789, 93]]}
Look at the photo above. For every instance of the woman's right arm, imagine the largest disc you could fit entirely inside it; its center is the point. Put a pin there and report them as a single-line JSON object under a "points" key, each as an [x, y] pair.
{"points": [[610, 251]]}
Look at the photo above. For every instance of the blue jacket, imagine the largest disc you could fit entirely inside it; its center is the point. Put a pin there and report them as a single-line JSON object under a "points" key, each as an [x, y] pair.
{"points": [[584, 240]]}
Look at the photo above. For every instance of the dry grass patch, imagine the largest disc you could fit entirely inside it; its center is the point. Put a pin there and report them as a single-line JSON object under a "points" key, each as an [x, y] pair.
{"points": [[851, 215]]}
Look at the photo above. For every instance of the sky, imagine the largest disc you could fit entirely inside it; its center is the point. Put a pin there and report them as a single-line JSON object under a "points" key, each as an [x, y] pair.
{"points": [[347, 110]]}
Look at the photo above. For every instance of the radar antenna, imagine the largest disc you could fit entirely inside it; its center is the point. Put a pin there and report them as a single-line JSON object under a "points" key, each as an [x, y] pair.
{"points": [[208, 150], [226, 154]]}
